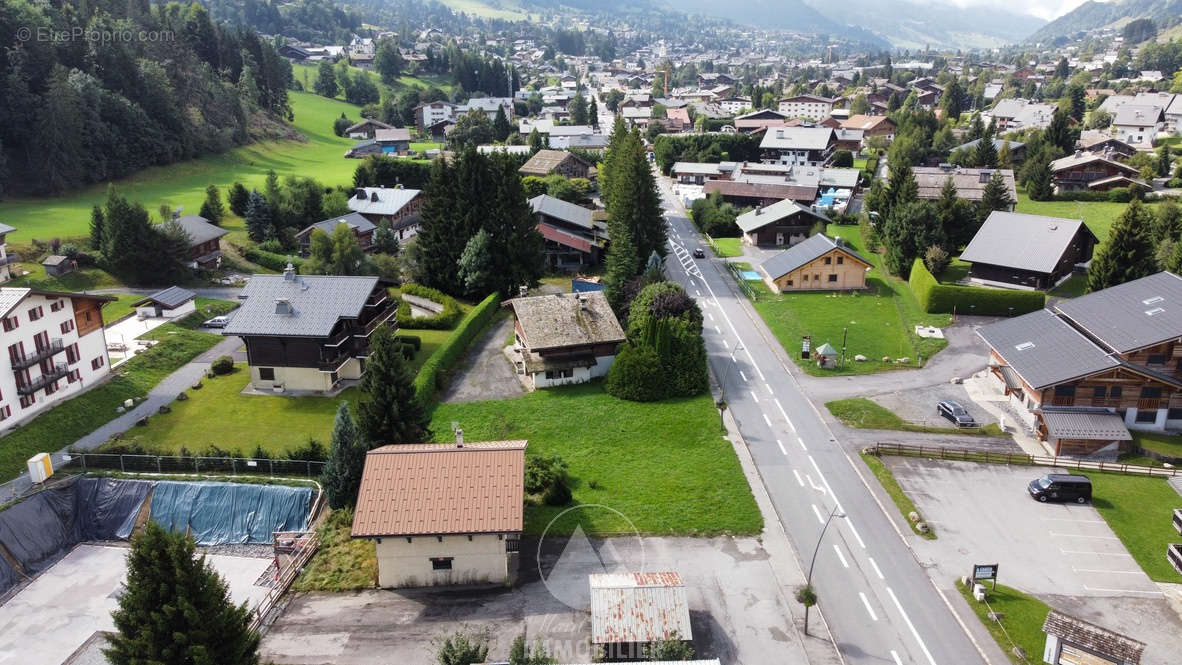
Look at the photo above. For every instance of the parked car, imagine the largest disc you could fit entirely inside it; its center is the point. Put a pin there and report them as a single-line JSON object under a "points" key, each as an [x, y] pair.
{"points": [[956, 413], [1061, 487], [699, 254], [217, 322]]}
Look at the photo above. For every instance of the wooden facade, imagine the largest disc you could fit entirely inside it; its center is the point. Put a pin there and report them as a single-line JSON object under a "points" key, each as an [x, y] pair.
{"points": [[836, 270], [88, 314], [1078, 251]]}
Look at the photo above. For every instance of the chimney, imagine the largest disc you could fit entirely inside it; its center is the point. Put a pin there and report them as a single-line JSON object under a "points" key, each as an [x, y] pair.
{"points": [[838, 241], [373, 197], [459, 438], [289, 273], [582, 301], [522, 291], [360, 193], [283, 306], [759, 209]]}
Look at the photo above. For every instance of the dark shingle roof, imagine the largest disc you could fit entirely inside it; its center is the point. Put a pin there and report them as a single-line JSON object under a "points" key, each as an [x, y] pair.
{"points": [[1092, 637], [566, 319], [550, 206], [317, 303], [1132, 315], [353, 220], [1044, 350], [199, 229], [1086, 424], [1024, 242], [173, 296], [761, 217], [801, 253]]}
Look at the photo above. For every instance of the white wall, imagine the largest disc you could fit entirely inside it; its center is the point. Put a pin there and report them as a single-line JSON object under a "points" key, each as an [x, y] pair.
{"points": [[579, 374], [479, 560], [307, 379]]}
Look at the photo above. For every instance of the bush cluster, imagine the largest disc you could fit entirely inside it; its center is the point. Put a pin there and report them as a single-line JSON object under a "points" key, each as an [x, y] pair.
{"points": [[223, 365], [937, 298], [271, 260], [444, 320], [427, 380]]}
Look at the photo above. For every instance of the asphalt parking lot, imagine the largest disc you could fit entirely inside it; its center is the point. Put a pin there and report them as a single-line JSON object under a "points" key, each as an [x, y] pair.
{"points": [[1063, 553], [918, 405]]}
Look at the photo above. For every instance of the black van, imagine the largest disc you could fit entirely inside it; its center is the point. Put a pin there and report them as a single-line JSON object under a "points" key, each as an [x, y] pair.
{"points": [[1061, 487]]}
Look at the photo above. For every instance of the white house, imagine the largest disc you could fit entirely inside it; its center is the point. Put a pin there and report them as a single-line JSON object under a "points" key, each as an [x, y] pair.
{"points": [[55, 349], [812, 107], [564, 338], [1138, 125]]}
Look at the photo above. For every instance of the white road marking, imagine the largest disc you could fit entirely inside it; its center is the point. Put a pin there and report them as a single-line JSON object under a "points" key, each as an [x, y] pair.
{"points": [[844, 563], [910, 625], [743, 375], [698, 292], [814, 485], [718, 330], [785, 414], [869, 610], [1080, 535], [798, 478], [875, 567], [896, 657], [692, 282], [769, 388], [1148, 593], [1096, 553], [766, 419], [818, 514], [725, 344], [1114, 572], [781, 445], [756, 398], [710, 315], [850, 523], [801, 442]]}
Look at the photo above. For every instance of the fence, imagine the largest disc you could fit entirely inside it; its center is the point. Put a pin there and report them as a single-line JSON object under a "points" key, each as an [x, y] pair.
{"points": [[169, 464], [746, 288], [909, 450]]}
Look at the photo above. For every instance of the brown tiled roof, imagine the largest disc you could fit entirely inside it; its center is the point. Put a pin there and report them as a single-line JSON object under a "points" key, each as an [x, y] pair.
{"points": [[566, 319], [545, 161], [1092, 637], [434, 489]]}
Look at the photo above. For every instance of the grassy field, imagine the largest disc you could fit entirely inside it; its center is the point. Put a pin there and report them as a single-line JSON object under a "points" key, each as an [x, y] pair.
{"points": [[1021, 621], [1075, 286], [319, 156], [903, 502], [878, 322], [1139, 510], [728, 247], [863, 413], [74, 418], [113, 311], [1098, 215], [497, 9], [342, 564], [86, 279], [1158, 442], [663, 465], [307, 75]]}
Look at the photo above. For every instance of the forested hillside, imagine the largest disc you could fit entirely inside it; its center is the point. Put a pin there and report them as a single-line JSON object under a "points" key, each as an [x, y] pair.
{"points": [[100, 90]]}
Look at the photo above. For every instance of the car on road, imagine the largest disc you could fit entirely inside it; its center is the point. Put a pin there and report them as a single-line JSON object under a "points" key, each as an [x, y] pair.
{"points": [[699, 254], [216, 322], [956, 413], [1061, 487]]}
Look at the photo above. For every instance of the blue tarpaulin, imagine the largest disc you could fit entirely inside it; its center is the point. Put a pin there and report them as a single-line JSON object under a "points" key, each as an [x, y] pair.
{"points": [[220, 513]]}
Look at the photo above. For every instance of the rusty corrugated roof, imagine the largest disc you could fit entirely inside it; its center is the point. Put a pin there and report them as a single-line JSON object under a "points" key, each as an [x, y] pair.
{"points": [[638, 607], [433, 489]]}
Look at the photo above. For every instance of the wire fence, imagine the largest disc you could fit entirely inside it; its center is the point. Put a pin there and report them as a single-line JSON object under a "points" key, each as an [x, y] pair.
{"points": [[991, 457], [195, 465]]}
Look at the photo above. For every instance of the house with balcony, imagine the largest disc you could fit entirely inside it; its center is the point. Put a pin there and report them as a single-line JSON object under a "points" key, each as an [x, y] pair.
{"points": [[54, 349], [573, 239], [361, 227], [564, 338], [205, 241], [782, 223], [6, 259], [397, 206], [810, 107], [1091, 171], [1079, 372], [309, 333], [804, 146]]}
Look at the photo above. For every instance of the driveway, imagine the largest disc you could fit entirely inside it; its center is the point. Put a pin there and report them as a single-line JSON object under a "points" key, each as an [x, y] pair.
{"points": [[485, 373], [1063, 553]]}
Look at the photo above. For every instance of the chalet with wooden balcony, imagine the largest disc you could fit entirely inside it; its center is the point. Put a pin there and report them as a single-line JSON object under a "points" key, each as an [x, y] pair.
{"points": [[309, 333], [1091, 171], [1113, 354]]}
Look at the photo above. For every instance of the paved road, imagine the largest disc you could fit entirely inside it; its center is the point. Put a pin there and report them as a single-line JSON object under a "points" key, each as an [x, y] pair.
{"points": [[881, 606]]}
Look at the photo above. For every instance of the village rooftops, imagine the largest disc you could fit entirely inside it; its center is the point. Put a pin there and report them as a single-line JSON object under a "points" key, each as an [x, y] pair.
{"points": [[291, 305], [1024, 242], [1044, 349], [547, 205], [440, 489], [354, 220], [1130, 316], [638, 608], [545, 161], [969, 183], [199, 229], [1081, 158], [797, 138], [566, 319], [761, 217]]}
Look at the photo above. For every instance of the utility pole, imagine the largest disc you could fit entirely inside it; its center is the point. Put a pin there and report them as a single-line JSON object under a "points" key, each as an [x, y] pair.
{"points": [[844, 331]]}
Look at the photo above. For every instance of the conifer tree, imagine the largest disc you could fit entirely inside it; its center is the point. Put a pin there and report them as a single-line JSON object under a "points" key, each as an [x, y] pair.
{"points": [[1039, 184], [239, 198], [985, 154], [1128, 254], [212, 208], [259, 226], [388, 411], [346, 461], [994, 197]]}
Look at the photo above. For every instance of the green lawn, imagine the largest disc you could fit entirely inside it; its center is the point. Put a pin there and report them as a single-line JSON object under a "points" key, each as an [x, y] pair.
{"points": [[957, 270], [113, 311], [878, 322], [72, 419], [1139, 510], [1075, 286], [1158, 442], [320, 156], [663, 465], [728, 247], [1098, 215], [903, 502], [863, 413], [206, 308], [307, 75], [86, 279], [1021, 621]]}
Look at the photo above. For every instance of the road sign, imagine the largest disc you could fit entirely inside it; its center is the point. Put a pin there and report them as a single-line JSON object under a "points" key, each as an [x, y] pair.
{"points": [[985, 571]]}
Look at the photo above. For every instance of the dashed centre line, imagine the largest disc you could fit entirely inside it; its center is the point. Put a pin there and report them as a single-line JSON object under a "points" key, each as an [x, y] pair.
{"points": [[844, 563], [781, 445], [869, 610], [875, 567]]}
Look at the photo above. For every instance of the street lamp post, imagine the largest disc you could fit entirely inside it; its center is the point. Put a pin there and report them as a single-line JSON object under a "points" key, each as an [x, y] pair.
{"points": [[806, 595]]}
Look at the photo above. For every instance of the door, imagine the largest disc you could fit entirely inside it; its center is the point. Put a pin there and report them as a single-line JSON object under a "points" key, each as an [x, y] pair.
{"points": [[779, 239]]}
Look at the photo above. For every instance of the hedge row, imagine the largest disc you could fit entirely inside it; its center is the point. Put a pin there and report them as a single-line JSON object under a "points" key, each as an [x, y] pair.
{"points": [[427, 381], [271, 261], [937, 298], [444, 320], [1114, 195]]}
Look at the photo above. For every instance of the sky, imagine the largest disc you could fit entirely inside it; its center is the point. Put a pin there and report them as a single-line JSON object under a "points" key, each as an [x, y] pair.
{"points": [[1045, 9]]}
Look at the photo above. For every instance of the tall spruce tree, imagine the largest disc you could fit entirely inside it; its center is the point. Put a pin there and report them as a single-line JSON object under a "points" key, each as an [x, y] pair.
{"points": [[212, 208], [388, 411], [1163, 160], [501, 127], [239, 199], [901, 188], [175, 609], [1128, 254], [994, 197], [346, 460], [1059, 133], [985, 153], [259, 225], [517, 249], [1039, 184], [96, 229]]}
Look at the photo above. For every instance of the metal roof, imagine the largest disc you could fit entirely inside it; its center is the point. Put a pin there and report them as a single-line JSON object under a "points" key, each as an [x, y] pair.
{"points": [[199, 229], [10, 297], [969, 183], [353, 220], [761, 217], [432, 489], [173, 296], [1132, 315], [368, 122], [317, 303], [4, 228], [1023, 242], [545, 161], [1078, 632], [391, 134], [1085, 424], [802, 253], [550, 206], [696, 168], [1044, 350], [797, 138], [1071, 161], [638, 607], [566, 319], [1136, 115], [381, 200]]}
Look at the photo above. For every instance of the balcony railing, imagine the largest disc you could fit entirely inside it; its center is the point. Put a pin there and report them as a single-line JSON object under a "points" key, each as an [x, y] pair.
{"points": [[378, 320], [28, 360], [58, 372], [334, 364]]}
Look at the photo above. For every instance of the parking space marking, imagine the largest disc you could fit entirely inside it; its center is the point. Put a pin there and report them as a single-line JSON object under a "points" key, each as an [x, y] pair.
{"points": [[896, 657], [875, 567], [1147, 593], [1080, 535], [1126, 554], [869, 610], [844, 563], [817, 512], [744, 376], [1114, 572], [798, 478], [910, 625]]}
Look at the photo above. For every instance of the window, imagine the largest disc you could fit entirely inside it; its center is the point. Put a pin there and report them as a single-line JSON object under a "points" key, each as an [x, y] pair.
{"points": [[97, 362], [804, 278], [41, 340], [828, 260], [1151, 393], [11, 323], [559, 373], [841, 260], [266, 374], [35, 313], [1064, 391], [56, 305], [441, 563], [73, 376], [67, 326], [833, 278], [51, 388], [72, 355], [816, 278], [1174, 414], [788, 283], [1098, 392], [1146, 415], [16, 352], [1156, 359], [5, 412], [27, 401]]}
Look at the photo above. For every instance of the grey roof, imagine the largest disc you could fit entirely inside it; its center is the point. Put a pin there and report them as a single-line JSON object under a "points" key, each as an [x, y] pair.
{"points": [[1136, 115], [1071, 161], [1044, 349], [997, 144], [545, 204], [556, 321], [796, 138], [4, 228], [696, 168], [1132, 315], [969, 182], [367, 122], [54, 260], [1024, 242], [353, 220], [839, 177], [173, 296], [392, 134], [801, 253], [638, 607], [760, 217], [389, 200], [199, 229], [10, 297], [1089, 424], [317, 302]]}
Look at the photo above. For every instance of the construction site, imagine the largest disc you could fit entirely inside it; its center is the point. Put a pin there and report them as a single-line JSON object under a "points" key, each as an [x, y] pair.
{"points": [[63, 551]]}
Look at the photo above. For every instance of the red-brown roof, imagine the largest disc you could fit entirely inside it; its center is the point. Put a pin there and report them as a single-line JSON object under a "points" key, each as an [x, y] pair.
{"points": [[433, 489], [760, 190], [563, 238]]}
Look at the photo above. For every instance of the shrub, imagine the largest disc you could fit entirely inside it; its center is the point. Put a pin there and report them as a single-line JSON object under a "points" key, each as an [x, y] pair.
{"points": [[542, 471], [427, 380], [407, 351], [635, 374], [413, 340], [935, 297], [936, 259], [557, 494], [312, 451], [223, 365], [1120, 195], [271, 261], [444, 320], [843, 159]]}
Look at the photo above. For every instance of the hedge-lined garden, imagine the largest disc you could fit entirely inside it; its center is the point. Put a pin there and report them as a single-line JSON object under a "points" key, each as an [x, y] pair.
{"points": [[935, 297], [444, 320], [271, 261], [427, 380]]}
